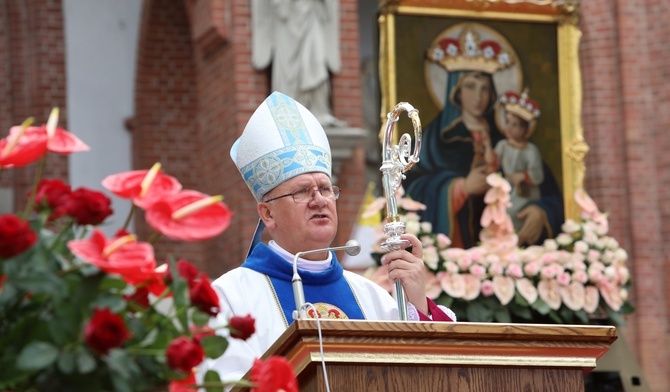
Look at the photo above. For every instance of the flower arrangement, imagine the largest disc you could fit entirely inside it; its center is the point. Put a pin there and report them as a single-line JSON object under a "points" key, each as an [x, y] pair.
{"points": [[579, 276], [80, 311]]}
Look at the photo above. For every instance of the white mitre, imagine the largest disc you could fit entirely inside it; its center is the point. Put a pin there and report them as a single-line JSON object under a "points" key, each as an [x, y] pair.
{"points": [[281, 140]]}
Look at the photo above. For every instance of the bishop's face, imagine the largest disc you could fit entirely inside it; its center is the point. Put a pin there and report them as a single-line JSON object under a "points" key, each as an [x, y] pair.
{"points": [[304, 226]]}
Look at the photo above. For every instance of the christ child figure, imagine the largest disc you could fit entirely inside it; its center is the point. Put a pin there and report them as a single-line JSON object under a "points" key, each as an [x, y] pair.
{"points": [[520, 160]]}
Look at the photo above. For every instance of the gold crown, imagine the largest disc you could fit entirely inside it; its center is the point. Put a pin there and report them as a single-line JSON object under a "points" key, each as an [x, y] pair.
{"points": [[469, 54], [520, 105]]}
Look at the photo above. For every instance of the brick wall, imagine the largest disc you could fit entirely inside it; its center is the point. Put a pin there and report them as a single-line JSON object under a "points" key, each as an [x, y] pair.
{"points": [[624, 63]]}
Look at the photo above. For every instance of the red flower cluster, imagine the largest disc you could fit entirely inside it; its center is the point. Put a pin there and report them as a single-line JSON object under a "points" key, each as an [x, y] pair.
{"points": [[275, 374], [15, 236], [85, 206], [105, 331], [242, 327], [184, 354], [200, 291]]}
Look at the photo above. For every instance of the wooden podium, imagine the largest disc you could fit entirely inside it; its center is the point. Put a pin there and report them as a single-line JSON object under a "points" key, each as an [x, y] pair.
{"points": [[420, 356]]}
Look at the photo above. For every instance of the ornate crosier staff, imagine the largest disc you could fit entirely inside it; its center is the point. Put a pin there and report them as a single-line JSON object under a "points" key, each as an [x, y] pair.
{"points": [[396, 160]]}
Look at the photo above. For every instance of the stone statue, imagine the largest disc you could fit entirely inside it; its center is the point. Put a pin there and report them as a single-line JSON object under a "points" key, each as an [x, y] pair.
{"points": [[301, 40]]}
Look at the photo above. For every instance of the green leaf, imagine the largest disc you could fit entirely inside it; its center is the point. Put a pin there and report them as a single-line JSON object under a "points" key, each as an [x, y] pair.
{"points": [[110, 283], [615, 317], [85, 362], [554, 316], [214, 346], [627, 308], [582, 316], [150, 338], [502, 315], [477, 312], [66, 362], [37, 355], [520, 300], [112, 302], [541, 306], [36, 282], [200, 318], [566, 314], [212, 377]]}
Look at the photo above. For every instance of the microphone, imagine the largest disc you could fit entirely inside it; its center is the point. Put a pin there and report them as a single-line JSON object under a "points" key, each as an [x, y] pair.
{"points": [[352, 247]]}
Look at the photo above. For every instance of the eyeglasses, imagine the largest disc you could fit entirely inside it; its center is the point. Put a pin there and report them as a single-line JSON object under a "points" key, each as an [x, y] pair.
{"points": [[304, 196]]}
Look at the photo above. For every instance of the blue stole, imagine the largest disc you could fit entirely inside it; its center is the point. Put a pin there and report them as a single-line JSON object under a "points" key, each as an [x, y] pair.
{"points": [[329, 286]]}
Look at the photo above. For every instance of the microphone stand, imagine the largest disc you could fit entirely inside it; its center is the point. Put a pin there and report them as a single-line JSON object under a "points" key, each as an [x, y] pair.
{"points": [[352, 247]]}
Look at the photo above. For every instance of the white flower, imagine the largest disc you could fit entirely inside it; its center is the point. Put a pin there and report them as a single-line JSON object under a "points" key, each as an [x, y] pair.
{"points": [[426, 227], [612, 243], [426, 240], [607, 257], [593, 256], [550, 244], [590, 237], [412, 227], [581, 247], [451, 267], [430, 257], [620, 255], [496, 269], [492, 259], [531, 269], [438, 54], [564, 239], [443, 241], [570, 226]]}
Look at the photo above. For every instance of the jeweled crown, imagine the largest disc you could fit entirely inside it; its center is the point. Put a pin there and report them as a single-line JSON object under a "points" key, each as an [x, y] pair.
{"points": [[469, 54], [520, 105]]}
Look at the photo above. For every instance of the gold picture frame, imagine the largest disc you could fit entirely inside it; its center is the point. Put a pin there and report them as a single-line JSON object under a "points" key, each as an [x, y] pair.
{"points": [[544, 38]]}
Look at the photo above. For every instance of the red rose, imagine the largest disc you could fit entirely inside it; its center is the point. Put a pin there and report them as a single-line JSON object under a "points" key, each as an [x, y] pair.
{"points": [[198, 332], [51, 193], [184, 385], [273, 375], [185, 269], [87, 207], [203, 295], [15, 236], [140, 297], [242, 327], [105, 331], [184, 354]]}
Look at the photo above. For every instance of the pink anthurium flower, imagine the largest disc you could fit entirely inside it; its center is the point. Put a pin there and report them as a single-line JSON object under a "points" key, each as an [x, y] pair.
{"points": [[550, 292], [503, 288], [189, 216], [611, 293], [24, 145], [144, 187], [123, 255], [573, 296], [527, 290], [585, 202], [453, 285], [61, 141], [433, 289], [473, 287], [591, 299]]}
